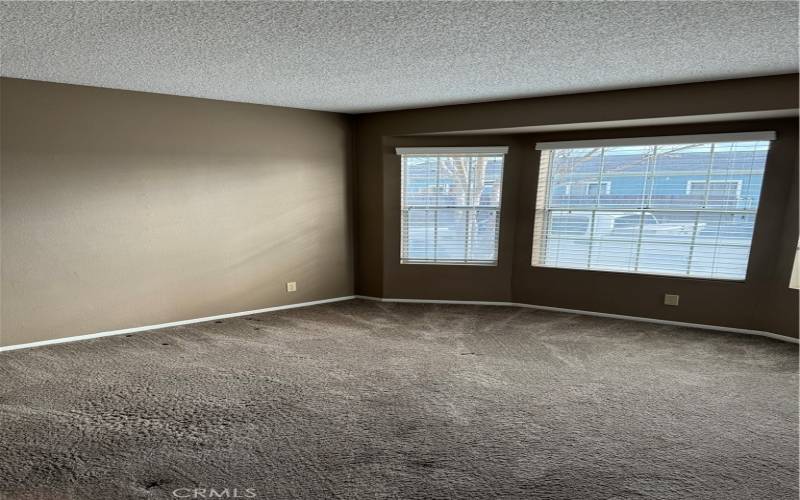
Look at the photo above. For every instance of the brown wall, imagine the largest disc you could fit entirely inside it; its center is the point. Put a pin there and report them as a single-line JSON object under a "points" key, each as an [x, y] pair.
{"points": [[762, 302], [122, 209]]}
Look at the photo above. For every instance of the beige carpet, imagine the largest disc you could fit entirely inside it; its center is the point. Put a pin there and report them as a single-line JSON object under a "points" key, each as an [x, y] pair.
{"points": [[371, 400]]}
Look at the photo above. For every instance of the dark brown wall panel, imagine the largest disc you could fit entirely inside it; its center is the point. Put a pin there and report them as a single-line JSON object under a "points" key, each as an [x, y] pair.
{"points": [[761, 302]]}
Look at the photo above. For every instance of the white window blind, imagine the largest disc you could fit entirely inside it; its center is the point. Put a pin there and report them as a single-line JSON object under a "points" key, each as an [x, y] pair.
{"points": [[681, 209], [450, 204]]}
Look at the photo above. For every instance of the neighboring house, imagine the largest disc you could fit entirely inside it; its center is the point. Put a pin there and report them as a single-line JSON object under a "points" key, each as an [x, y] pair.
{"points": [[685, 179], [677, 182]]}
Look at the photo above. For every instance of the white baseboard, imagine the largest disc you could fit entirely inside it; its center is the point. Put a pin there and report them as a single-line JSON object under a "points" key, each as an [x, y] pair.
{"points": [[173, 323], [593, 313], [432, 301], [379, 299]]}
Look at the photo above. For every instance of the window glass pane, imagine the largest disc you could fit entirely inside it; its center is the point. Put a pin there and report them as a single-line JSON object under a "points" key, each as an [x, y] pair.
{"points": [[680, 209], [450, 208]]}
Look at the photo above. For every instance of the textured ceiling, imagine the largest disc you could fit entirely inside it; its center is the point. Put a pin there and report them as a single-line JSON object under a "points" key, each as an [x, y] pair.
{"points": [[368, 56]]}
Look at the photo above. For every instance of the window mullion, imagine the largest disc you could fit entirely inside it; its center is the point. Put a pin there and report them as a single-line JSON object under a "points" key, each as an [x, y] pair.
{"points": [[697, 215], [437, 187], [649, 186], [600, 177], [468, 211], [595, 208], [404, 208]]}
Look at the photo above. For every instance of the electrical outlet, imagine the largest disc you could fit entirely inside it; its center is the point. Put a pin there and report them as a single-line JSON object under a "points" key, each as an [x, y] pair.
{"points": [[671, 300], [291, 286]]}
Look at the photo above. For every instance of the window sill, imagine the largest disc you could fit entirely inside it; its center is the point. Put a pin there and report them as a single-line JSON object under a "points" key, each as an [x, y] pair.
{"points": [[458, 264], [646, 275]]}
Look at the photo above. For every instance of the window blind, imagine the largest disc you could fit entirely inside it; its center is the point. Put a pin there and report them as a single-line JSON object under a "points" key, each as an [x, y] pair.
{"points": [[669, 208], [450, 205]]}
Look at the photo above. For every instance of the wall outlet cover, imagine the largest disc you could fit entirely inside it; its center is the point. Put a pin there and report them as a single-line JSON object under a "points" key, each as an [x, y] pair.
{"points": [[291, 286]]}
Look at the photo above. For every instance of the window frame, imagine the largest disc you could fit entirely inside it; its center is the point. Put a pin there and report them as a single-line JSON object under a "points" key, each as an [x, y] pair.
{"points": [[542, 196], [481, 151]]}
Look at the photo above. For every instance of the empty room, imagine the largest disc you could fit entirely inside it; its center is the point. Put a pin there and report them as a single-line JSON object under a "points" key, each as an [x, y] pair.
{"points": [[399, 250]]}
